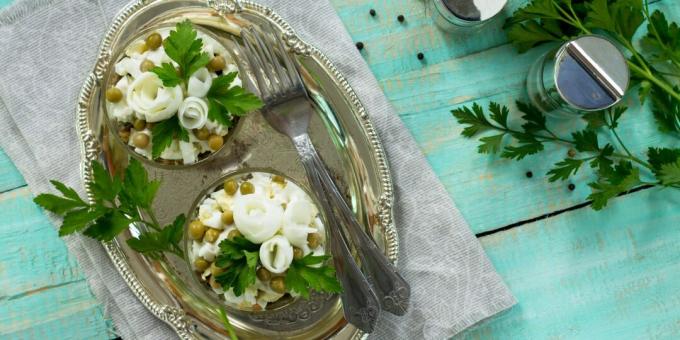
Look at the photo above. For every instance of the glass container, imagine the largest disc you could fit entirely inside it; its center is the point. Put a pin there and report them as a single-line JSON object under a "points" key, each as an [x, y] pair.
{"points": [[451, 15], [586, 74]]}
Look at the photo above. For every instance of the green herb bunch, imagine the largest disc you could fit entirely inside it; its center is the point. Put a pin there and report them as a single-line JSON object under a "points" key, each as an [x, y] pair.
{"points": [[652, 65], [618, 170], [116, 204], [239, 258], [225, 101], [309, 273]]}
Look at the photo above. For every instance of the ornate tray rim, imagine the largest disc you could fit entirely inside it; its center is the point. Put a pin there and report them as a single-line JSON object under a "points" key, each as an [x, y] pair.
{"points": [[90, 149]]}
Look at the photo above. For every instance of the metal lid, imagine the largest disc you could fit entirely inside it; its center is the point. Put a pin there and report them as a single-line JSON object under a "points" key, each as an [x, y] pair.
{"points": [[591, 73], [474, 10]]}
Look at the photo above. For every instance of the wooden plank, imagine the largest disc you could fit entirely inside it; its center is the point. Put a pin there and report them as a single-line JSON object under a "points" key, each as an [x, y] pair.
{"points": [[60, 312], [10, 178], [585, 274], [460, 68], [43, 293]]}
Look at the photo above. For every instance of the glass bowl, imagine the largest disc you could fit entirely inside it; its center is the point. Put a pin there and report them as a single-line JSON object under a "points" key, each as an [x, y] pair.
{"points": [[200, 252], [119, 128]]}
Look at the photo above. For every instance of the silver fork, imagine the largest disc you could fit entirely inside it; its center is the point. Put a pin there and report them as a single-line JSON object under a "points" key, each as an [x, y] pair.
{"points": [[288, 110]]}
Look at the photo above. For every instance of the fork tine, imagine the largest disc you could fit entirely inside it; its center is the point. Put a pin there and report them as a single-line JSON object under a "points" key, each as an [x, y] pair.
{"points": [[271, 59], [285, 69], [243, 54], [293, 74], [256, 64]]}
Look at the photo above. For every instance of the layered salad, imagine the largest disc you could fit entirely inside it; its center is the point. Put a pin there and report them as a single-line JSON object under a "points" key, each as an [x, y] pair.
{"points": [[175, 95], [258, 238]]}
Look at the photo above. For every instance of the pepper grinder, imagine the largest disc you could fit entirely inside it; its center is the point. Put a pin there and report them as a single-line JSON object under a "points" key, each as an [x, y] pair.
{"points": [[585, 74], [451, 15]]}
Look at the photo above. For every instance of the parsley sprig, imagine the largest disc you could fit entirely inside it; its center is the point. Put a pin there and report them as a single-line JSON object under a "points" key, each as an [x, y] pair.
{"points": [[164, 132], [544, 21], [117, 203], [184, 48], [309, 273], [618, 170], [224, 99], [239, 259], [654, 65]]}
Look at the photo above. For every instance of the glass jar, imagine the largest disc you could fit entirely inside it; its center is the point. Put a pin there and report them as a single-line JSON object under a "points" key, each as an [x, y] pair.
{"points": [[586, 74], [450, 15]]}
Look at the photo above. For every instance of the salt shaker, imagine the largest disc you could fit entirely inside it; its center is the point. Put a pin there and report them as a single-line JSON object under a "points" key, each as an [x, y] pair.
{"points": [[455, 14], [588, 73]]}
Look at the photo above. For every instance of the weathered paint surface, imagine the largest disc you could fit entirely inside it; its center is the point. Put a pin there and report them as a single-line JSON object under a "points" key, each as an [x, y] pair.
{"points": [[581, 274], [588, 275], [43, 293], [458, 69]]}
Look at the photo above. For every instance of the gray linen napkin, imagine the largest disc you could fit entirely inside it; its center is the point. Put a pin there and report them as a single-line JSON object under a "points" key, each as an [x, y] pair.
{"points": [[48, 47]]}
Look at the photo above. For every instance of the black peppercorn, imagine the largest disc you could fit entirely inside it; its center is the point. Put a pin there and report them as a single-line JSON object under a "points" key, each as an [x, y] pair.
{"points": [[529, 174], [400, 18], [372, 12], [571, 186], [421, 56], [360, 45]]}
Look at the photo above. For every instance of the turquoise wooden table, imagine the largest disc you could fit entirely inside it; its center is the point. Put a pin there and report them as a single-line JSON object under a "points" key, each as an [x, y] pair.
{"points": [[576, 273]]}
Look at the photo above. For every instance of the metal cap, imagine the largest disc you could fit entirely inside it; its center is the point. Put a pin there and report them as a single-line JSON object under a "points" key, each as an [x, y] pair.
{"points": [[474, 10], [591, 73]]}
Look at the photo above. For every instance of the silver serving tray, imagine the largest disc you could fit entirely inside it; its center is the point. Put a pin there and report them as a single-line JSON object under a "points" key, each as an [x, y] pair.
{"points": [[341, 131]]}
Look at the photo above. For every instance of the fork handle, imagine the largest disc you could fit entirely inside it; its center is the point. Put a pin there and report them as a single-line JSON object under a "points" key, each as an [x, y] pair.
{"points": [[360, 304], [393, 291]]}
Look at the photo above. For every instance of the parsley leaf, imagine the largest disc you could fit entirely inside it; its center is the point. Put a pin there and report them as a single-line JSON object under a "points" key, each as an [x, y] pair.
{"points": [[78, 219], [184, 48], [167, 74], [529, 34], [585, 140], [491, 144], [226, 101], [658, 157], [666, 110], [475, 119], [115, 205], [104, 187], [528, 145], [595, 119], [603, 161], [622, 178], [535, 119], [60, 205], [239, 258], [155, 243], [621, 18], [108, 226], [662, 40], [164, 132], [137, 189], [564, 169], [670, 173], [499, 114], [301, 277], [539, 22], [477, 122]]}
